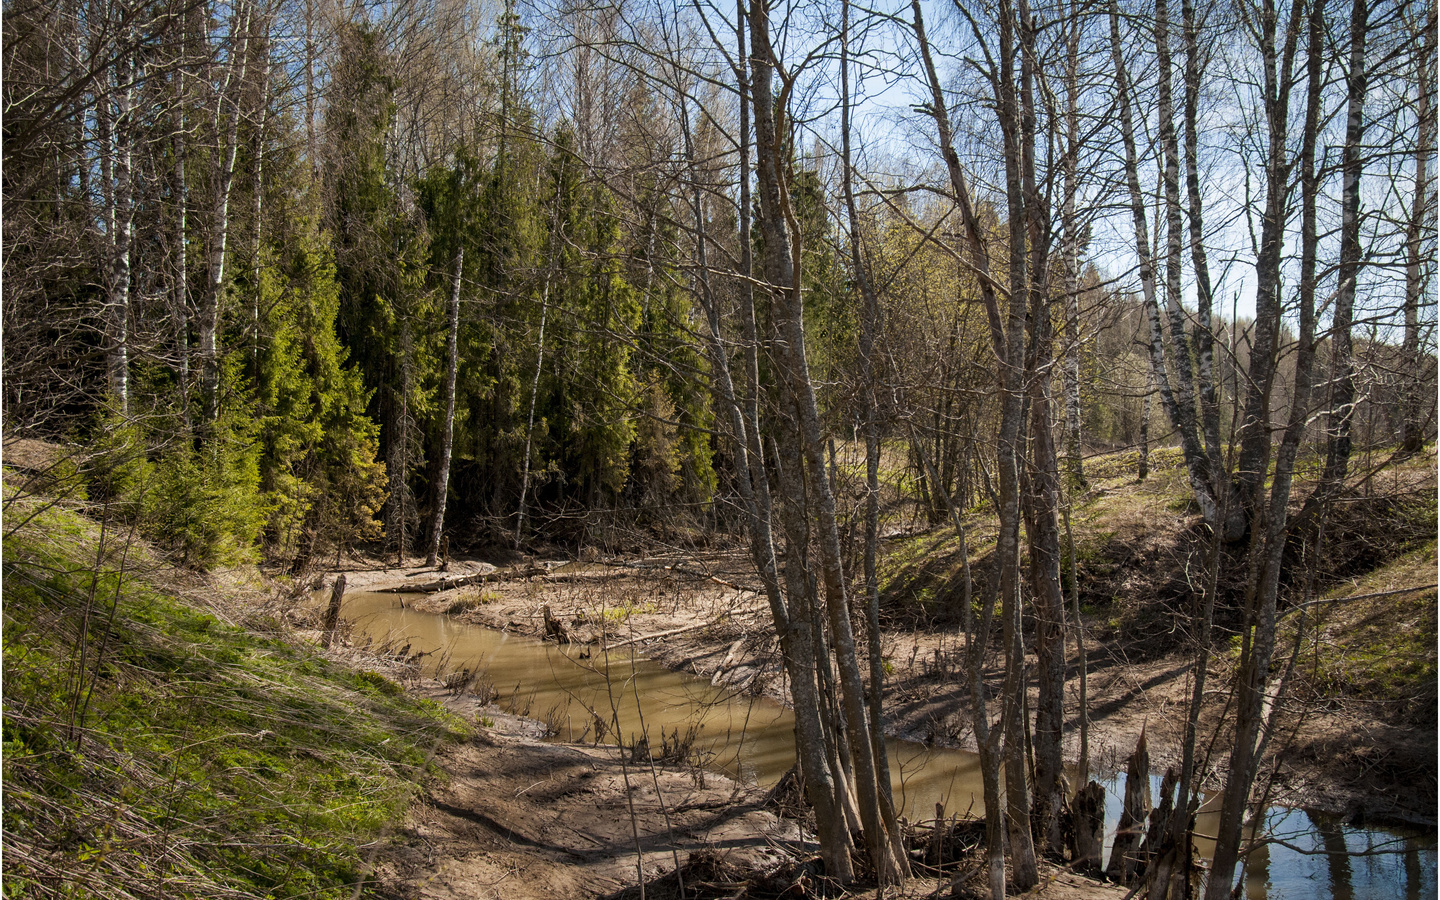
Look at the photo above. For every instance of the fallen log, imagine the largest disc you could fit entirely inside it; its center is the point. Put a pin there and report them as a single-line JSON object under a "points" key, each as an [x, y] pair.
{"points": [[659, 634], [451, 582], [680, 569]]}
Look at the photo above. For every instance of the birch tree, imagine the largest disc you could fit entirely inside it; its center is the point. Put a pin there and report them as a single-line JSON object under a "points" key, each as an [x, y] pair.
{"points": [[1419, 267]]}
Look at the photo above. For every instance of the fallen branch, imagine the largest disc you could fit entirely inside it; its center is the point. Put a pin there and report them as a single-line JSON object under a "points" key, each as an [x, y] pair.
{"points": [[681, 569], [658, 634], [450, 583], [1320, 600]]}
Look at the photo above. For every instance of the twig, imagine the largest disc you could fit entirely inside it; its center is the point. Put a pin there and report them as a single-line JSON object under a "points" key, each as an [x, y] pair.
{"points": [[1316, 602]]}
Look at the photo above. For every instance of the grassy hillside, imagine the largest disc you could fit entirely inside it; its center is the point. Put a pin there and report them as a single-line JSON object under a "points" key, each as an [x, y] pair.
{"points": [[1140, 550], [159, 745]]}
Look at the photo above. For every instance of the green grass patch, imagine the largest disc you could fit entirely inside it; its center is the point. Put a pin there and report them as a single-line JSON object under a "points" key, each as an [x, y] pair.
{"points": [[153, 749], [1382, 648], [620, 613], [1126, 463]]}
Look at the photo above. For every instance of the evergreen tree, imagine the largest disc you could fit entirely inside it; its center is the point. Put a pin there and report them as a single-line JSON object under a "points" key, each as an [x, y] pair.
{"points": [[673, 457], [593, 388], [380, 258], [321, 480], [502, 343]]}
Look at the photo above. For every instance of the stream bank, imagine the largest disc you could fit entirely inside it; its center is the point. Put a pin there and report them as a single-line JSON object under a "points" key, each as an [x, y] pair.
{"points": [[699, 614], [521, 818], [583, 599]]}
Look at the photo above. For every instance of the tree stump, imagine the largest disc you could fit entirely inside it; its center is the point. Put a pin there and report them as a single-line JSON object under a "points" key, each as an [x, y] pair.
{"points": [[1125, 852], [554, 627], [1161, 853], [937, 837], [332, 614], [1088, 815]]}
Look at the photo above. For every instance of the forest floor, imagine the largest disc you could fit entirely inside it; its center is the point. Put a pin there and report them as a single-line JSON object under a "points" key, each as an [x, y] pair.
{"points": [[493, 810]]}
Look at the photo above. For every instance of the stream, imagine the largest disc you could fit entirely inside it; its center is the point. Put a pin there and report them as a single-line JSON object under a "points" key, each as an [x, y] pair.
{"points": [[751, 738]]}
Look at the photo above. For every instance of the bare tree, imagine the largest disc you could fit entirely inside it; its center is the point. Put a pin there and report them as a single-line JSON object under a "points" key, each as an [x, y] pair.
{"points": [[447, 425], [781, 268], [1419, 266], [1028, 225]]}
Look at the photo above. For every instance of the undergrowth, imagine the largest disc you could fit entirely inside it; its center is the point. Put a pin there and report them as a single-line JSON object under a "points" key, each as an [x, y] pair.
{"points": [[151, 749]]}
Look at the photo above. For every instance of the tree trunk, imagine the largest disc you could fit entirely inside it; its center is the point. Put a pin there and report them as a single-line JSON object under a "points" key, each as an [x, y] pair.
{"points": [[447, 428], [1158, 851], [400, 505], [121, 216], [1412, 425], [869, 327], [1070, 253], [1125, 851], [792, 626], [1204, 293], [1254, 437], [1089, 815], [180, 287], [1342, 365], [781, 271], [988, 741], [1083, 711], [1253, 690], [1178, 404], [1016, 119], [1142, 468], [332, 613], [209, 324], [1042, 504]]}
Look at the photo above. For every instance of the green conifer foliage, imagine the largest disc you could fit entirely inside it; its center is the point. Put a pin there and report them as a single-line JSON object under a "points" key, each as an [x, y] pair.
{"points": [[499, 343], [320, 477], [203, 505], [673, 459], [380, 260], [831, 324], [594, 390]]}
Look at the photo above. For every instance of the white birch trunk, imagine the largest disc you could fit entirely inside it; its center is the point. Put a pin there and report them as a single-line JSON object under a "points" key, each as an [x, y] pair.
{"points": [[121, 216], [447, 428], [209, 323]]}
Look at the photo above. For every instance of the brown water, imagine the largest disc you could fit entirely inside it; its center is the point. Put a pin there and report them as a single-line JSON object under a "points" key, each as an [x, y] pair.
{"points": [[633, 698], [748, 737]]}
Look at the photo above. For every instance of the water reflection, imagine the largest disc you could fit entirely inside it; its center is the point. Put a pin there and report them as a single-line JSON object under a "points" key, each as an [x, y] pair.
{"points": [[1337, 855], [634, 698]]}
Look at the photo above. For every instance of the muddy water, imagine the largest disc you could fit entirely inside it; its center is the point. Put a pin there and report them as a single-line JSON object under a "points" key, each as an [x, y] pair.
{"points": [[628, 698]]}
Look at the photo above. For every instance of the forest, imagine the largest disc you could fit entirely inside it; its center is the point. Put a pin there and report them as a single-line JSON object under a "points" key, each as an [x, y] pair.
{"points": [[301, 281]]}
